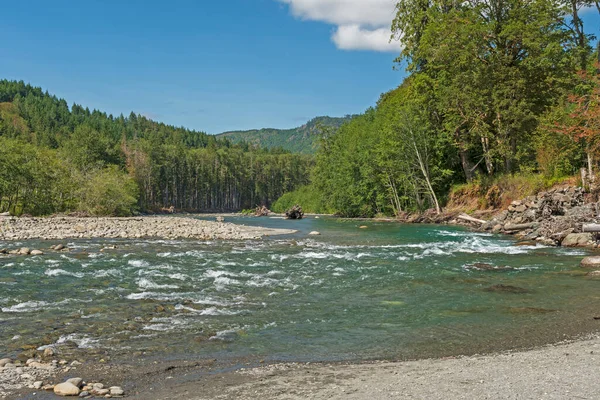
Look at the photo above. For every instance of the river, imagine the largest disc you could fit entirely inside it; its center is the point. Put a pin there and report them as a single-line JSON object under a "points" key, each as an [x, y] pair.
{"points": [[389, 291]]}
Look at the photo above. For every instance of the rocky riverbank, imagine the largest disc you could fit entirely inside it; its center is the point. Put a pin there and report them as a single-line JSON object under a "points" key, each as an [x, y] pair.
{"points": [[57, 228], [554, 218], [37, 374]]}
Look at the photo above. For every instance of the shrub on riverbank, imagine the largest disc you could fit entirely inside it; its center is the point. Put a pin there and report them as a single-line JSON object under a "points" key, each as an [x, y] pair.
{"points": [[308, 197]]}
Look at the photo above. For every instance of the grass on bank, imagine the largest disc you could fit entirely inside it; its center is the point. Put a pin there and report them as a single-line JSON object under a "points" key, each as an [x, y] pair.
{"points": [[498, 192]]}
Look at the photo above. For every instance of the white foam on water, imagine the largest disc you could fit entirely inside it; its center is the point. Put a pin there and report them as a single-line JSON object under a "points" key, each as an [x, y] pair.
{"points": [[221, 282], [460, 233], [164, 324], [145, 283], [82, 341], [59, 272], [227, 263], [138, 263], [214, 311], [107, 272], [211, 273], [95, 255], [224, 335], [179, 277], [52, 262], [262, 281]]}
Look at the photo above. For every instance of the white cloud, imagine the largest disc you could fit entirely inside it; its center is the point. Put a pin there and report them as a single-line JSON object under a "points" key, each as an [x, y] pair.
{"points": [[361, 24], [353, 37]]}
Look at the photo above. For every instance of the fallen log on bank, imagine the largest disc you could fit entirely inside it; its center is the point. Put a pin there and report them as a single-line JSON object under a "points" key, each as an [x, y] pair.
{"points": [[520, 227], [591, 228], [466, 217]]}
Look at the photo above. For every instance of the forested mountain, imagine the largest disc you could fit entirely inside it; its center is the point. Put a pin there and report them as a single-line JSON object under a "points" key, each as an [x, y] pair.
{"points": [[56, 158], [494, 88], [303, 139]]}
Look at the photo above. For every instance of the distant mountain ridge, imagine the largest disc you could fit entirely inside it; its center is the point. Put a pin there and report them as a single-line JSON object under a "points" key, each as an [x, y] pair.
{"points": [[302, 139]]}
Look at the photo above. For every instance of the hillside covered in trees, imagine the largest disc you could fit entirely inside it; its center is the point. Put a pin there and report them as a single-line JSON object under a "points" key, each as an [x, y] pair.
{"points": [[303, 139], [56, 158], [495, 88]]}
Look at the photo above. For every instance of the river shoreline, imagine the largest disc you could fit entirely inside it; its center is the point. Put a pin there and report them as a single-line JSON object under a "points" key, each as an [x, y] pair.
{"points": [[172, 227]]}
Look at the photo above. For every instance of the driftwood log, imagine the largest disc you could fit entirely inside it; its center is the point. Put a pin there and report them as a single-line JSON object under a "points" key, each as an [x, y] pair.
{"points": [[520, 227], [294, 212], [466, 217], [591, 228], [262, 211]]}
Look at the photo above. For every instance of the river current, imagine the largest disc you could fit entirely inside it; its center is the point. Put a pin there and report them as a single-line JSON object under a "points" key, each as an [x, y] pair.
{"points": [[386, 292]]}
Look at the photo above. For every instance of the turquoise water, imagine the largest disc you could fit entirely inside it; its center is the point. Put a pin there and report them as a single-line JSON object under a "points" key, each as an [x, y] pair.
{"points": [[389, 291]]}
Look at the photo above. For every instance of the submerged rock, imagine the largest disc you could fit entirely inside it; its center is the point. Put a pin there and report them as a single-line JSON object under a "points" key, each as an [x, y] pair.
{"points": [[315, 233], [506, 289], [591, 262], [488, 267]]}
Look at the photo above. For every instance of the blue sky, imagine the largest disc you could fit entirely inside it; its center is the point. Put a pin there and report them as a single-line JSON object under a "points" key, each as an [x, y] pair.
{"points": [[207, 65]]}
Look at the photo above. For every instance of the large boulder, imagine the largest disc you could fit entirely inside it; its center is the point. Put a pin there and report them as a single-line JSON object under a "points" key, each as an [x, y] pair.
{"points": [[577, 240], [66, 389], [591, 262]]}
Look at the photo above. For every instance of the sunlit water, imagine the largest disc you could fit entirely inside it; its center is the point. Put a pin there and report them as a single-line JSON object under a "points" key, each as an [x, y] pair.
{"points": [[388, 291]]}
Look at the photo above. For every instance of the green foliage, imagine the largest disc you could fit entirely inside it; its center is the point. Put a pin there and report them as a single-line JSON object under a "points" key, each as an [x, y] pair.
{"points": [[303, 139], [60, 158], [487, 79], [108, 191], [307, 197]]}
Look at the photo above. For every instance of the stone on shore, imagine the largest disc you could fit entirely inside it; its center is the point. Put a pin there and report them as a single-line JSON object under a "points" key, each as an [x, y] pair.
{"points": [[38, 384], [66, 389], [116, 391], [76, 381], [5, 361], [591, 262], [577, 240]]}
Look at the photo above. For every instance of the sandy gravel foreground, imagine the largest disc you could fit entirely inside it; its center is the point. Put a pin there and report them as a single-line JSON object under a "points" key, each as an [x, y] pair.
{"points": [[56, 228], [566, 371]]}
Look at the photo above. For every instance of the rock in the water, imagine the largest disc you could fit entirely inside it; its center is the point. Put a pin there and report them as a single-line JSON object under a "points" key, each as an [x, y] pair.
{"points": [[315, 233], [85, 393], [59, 247], [588, 262], [76, 381], [593, 274], [24, 251], [363, 227], [48, 352], [36, 253], [577, 240], [66, 389], [506, 289]]}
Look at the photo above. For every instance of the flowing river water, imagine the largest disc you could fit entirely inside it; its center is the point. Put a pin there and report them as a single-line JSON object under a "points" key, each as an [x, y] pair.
{"points": [[386, 292]]}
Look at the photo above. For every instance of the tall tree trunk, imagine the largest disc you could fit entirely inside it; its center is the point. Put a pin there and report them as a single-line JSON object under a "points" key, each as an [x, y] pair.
{"points": [[425, 172]]}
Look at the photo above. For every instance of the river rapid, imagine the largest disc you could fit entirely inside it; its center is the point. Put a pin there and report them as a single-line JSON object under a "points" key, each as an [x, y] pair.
{"points": [[389, 291]]}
